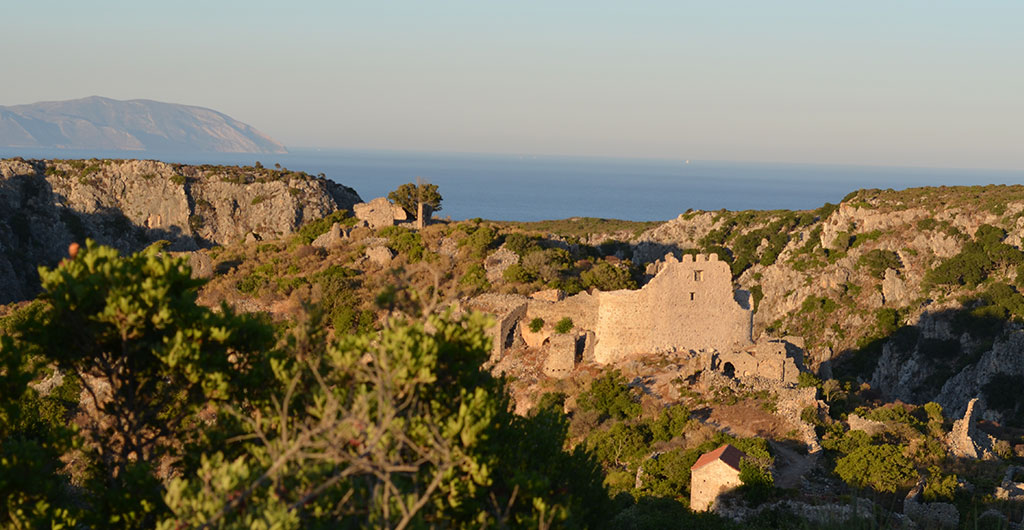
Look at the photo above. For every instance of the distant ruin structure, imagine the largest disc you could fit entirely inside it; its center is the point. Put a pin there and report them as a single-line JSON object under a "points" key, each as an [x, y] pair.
{"points": [[379, 213], [509, 311], [688, 304], [712, 475], [689, 308]]}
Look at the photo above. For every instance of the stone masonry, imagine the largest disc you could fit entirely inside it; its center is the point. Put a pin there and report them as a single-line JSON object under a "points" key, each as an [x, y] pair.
{"points": [[379, 213], [509, 310], [713, 474], [688, 304]]}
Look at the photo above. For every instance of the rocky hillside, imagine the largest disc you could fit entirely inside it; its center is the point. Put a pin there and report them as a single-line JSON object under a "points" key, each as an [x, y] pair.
{"points": [[136, 125], [915, 292], [128, 204]]}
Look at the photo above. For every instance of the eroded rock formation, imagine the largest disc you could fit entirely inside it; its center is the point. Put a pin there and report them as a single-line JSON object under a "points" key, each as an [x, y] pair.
{"points": [[128, 204]]}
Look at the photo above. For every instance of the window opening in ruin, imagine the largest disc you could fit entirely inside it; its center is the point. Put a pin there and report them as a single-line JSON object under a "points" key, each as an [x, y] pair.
{"points": [[698, 276], [692, 297], [729, 370]]}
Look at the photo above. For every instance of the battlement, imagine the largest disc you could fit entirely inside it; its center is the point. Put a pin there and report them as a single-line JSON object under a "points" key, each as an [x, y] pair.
{"points": [[699, 258]]}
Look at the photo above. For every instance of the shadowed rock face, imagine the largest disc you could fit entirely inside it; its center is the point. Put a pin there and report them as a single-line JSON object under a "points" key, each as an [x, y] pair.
{"points": [[128, 204], [136, 125]]}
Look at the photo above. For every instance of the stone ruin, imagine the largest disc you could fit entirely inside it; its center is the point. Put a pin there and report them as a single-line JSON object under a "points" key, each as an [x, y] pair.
{"points": [[965, 441], [509, 311], [379, 213], [567, 350], [929, 514], [688, 308], [689, 303]]}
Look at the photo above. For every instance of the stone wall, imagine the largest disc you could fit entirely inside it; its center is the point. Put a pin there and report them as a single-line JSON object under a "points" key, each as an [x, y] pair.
{"points": [[581, 308], [688, 305], [509, 311]]}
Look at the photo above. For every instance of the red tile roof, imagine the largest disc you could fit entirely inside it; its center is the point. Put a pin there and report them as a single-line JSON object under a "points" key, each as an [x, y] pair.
{"points": [[727, 453]]}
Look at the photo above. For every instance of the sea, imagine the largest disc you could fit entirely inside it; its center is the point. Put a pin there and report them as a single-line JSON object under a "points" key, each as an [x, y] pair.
{"points": [[533, 188]]}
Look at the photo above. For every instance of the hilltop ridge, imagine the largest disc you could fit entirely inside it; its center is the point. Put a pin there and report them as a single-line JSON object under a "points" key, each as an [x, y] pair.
{"points": [[135, 125]]}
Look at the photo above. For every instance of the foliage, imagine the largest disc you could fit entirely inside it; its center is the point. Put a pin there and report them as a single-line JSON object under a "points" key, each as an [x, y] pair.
{"points": [[405, 241], [150, 360], [977, 259], [522, 244], [479, 239], [408, 195], [418, 436], [308, 232], [339, 301], [393, 428], [623, 444], [607, 277], [564, 325], [610, 397], [807, 380], [536, 324], [881, 467], [877, 261], [516, 273], [670, 423], [475, 278], [547, 265]]}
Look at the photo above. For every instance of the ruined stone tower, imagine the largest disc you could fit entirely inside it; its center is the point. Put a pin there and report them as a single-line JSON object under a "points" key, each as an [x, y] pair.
{"points": [[689, 304]]}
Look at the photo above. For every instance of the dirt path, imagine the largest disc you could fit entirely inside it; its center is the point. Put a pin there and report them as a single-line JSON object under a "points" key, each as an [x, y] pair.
{"points": [[790, 466]]}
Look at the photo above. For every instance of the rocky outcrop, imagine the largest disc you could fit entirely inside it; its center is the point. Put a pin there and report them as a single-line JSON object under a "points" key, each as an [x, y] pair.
{"points": [[1005, 357], [128, 204]]}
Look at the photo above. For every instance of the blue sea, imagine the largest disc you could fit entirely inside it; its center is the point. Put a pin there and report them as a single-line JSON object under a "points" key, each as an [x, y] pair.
{"points": [[533, 188]]}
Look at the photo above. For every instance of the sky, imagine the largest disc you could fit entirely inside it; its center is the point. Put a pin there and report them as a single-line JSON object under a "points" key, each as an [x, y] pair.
{"points": [[924, 83]]}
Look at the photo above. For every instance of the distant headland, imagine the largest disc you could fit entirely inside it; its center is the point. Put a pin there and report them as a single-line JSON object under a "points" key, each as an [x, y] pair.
{"points": [[136, 125]]}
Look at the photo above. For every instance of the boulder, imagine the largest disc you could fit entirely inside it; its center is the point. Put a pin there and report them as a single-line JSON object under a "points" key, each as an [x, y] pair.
{"points": [[331, 238], [380, 255]]}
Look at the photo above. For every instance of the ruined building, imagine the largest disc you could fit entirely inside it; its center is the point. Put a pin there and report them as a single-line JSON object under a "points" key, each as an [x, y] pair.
{"points": [[689, 304], [689, 308]]}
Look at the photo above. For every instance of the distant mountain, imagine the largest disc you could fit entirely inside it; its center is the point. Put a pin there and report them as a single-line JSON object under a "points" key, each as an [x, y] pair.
{"points": [[135, 125]]}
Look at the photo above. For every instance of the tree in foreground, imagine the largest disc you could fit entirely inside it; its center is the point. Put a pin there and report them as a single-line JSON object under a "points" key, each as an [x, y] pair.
{"points": [[398, 428]]}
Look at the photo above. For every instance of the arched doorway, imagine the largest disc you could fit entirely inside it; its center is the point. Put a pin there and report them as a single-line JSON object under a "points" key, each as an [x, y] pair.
{"points": [[729, 370]]}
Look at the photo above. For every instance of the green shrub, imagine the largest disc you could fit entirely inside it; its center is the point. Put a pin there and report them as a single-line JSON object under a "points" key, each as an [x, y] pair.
{"points": [[607, 277], [522, 244], [670, 423], [317, 227], [610, 397], [880, 467], [877, 261], [479, 240], [516, 273], [405, 241], [564, 325], [536, 324], [475, 278]]}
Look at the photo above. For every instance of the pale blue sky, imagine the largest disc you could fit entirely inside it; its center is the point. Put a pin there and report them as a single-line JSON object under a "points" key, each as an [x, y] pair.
{"points": [[925, 83]]}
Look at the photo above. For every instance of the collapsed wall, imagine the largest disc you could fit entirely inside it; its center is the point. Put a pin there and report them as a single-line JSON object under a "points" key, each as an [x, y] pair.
{"points": [[687, 304]]}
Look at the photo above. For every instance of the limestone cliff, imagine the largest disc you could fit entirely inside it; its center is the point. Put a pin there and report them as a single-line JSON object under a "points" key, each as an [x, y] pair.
{"points": [[47, 204]]}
